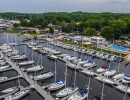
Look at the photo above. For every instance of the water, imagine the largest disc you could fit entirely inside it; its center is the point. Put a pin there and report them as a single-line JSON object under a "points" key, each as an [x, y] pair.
{"points": [[96, 87], [119, 48]]}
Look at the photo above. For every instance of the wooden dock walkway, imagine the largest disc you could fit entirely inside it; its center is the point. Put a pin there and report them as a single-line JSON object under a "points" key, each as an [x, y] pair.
{"points": [[38, 88]]}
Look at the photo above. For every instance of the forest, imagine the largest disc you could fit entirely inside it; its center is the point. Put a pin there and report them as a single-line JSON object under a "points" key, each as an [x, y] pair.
{"points": [[108, 25]]}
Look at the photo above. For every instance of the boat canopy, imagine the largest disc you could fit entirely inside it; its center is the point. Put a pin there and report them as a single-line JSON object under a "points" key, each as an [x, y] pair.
{"points": [[83, 91], [105, 67], [60, 81], [116, 59]]}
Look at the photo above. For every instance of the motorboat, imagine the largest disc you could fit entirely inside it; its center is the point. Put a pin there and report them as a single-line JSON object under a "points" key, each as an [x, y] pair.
{"points": [[45, 75], [57, 85], [102, 69], [63, 55], [100, 55], [118, 76], [73, 66], [19, 57], [89, 64], [111, 58], [34, 48], [123, 88], [76, 61], [72, 58], [26, 63], [4, 67], [67, 91], [105, 56], [51, 56], [82, 94], [3, 78], [105, 80], [12, 89], [88, 72], [3, 63], [34, 68], [67, 57], [82, 62], [109, 73], [126, 79], [17, 95]]}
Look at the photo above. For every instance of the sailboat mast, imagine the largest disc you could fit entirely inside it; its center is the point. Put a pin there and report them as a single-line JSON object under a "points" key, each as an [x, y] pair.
{"points": [[55, 70], [102, 94], [75, 77], [65, 75]]}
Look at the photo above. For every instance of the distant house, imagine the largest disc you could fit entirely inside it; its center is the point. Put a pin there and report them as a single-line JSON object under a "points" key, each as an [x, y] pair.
{"points": [[44, 31], [33, 30]]}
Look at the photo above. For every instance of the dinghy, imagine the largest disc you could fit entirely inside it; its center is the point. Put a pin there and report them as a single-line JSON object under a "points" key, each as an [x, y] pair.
{"points": [[57, 85], [45, 75], [17, 95], [26, 63], [82, 94]]}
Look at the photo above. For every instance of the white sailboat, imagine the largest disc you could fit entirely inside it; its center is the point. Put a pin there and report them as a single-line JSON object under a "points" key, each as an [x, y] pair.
{"points": [[102, 69], [123, 88], [17, 95], [88, 72], [80, 95], [26, 63], [118, 76], [68, 90], [45, 75], [109, 73], [34, 68], [4, 67], [58, 84], [89, 64]]}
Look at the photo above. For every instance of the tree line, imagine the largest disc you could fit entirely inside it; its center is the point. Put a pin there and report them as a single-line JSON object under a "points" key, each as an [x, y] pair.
{"points": [[108, 25]]}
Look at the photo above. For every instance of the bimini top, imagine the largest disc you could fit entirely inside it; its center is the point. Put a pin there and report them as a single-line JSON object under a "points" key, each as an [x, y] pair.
{"points": [[83, 91], [126, 79], [60, 81]]}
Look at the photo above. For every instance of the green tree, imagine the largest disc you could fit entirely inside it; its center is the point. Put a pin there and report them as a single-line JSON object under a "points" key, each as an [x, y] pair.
{"points": [[51, 30], [107, 32], [90, 31]]}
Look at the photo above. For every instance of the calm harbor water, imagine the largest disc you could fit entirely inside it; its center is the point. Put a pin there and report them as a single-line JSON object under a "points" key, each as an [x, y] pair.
{"points": [[81, 80]]}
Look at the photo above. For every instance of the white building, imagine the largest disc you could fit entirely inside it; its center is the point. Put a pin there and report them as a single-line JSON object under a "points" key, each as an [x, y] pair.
{"points": [[98, 40]]}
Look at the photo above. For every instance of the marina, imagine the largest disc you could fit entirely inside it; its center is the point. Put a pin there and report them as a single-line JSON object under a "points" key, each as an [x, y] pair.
{"points": [[81, 66]]}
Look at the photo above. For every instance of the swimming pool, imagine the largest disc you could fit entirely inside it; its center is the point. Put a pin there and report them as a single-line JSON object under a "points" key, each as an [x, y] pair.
{"points": [[119, 48]]}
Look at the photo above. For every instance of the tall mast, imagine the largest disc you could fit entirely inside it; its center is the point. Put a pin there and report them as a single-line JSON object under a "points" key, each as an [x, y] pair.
{"points": [[55, 70]]}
